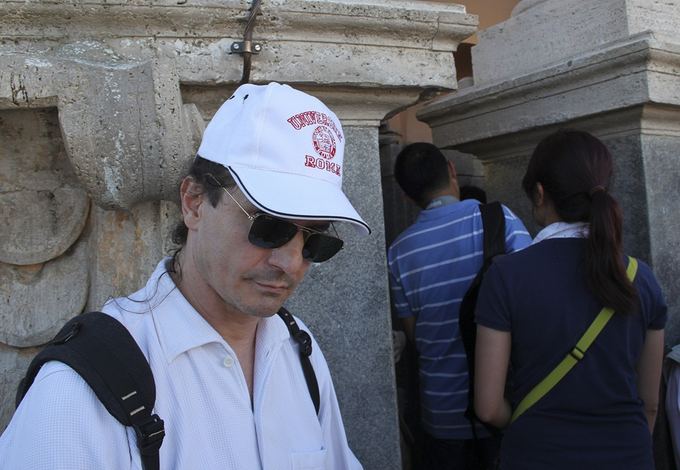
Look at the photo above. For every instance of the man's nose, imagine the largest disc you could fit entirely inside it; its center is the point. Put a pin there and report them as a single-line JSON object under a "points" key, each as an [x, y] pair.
{"points": [[288, 257]]}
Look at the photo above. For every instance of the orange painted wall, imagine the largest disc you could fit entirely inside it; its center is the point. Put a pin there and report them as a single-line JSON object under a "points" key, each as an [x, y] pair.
{"points": [[490, 12]]}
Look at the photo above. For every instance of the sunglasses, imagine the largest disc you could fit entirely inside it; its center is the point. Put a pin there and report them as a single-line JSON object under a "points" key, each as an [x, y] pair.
{"points": [[267, 231]]}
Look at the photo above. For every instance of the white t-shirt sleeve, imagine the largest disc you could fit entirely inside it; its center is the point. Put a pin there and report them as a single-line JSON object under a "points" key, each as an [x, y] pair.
{"points": [[61, 425]]}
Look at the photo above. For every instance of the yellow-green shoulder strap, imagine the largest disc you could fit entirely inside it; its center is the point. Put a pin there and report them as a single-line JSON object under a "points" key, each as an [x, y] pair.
{"points": [[575, 355]]}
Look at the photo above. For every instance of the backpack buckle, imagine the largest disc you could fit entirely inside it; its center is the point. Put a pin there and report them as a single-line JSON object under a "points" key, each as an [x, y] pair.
{"points": [[576, 353], [150, 434], [304, 341]]}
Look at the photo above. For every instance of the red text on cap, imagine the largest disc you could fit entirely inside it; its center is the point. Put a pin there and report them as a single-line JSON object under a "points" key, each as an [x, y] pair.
{"points": [[321, 164], [310, 118]]}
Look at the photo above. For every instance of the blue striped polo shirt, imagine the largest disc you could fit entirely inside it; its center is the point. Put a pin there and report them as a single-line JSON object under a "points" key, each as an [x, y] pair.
{"points": [[432, 264]]}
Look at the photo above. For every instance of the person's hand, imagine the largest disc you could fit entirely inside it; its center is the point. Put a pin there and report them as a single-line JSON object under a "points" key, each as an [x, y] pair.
{"points": [[398, 344]]}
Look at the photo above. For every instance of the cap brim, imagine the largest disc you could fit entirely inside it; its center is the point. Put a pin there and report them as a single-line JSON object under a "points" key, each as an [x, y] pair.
{"points": [[313, 199]]}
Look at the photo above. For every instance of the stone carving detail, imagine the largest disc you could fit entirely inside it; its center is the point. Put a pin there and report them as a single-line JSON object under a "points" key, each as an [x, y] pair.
{"points": [[36, 300], [42, 208], [43, 211], [39, 225], [113, 114]]}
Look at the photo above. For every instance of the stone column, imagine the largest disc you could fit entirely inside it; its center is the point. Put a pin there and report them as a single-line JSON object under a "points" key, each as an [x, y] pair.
{"points": [[102, 105], [610, 67]]}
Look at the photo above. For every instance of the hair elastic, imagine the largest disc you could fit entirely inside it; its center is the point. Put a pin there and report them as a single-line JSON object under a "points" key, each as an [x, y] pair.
{"points": [[597, 189]]}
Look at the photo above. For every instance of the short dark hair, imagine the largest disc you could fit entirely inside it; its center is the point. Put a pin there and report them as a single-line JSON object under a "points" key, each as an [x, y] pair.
{"points": [[212, 177], [575, 169], [421, 169]]}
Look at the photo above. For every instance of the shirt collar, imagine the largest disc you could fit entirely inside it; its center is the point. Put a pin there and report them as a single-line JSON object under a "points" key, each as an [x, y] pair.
{"points": [[442, 201], [563, 230], [181, 328]]}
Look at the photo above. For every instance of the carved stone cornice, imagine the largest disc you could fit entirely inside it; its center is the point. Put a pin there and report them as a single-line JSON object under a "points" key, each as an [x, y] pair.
{"points": [[543, 33], [397, 23], [625, 74], [116, 70], [313, 41]]}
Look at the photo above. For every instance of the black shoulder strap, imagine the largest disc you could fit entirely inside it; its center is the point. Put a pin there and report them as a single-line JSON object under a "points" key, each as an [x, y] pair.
{"points": [[104, 354], [493, 220], [493, 223], [305, 344], [102, 351]]}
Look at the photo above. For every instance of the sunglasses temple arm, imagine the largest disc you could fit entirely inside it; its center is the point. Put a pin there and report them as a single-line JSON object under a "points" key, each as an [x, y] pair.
{"points": [[238, 204]]}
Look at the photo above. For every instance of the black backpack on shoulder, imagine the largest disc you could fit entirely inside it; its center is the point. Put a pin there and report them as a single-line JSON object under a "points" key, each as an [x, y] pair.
{"points": [[493, 221], [104, 353]]}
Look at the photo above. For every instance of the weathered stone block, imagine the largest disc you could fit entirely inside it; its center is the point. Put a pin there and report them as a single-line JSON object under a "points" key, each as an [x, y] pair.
{"points": [[542, 34]]}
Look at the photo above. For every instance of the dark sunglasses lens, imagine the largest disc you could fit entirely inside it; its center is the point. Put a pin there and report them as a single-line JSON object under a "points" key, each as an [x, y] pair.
{"points": [[320, 247], [270, 232]]}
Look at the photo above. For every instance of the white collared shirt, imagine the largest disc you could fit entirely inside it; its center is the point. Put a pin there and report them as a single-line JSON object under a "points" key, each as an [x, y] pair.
{"points": [[563, 230], [201, 395]]}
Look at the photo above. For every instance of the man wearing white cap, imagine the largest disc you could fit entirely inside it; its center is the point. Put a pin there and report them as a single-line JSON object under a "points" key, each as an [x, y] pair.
{"points": [[259, 206]]}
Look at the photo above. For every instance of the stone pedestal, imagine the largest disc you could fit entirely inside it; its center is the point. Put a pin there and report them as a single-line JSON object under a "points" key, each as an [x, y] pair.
{"points": [[109, 99], [610, 67]]}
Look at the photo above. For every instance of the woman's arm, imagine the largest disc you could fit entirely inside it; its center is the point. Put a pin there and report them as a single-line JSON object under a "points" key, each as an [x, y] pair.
{"points": [[492, 356], [649, 374]]}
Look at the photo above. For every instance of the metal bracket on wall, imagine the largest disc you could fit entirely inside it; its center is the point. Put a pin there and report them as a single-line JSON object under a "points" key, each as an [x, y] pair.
{"points": [[241, 47], [246, 47]]}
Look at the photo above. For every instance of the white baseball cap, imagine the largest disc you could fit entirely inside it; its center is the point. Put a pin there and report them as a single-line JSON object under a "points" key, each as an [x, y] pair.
{"points": [[285, 150]]}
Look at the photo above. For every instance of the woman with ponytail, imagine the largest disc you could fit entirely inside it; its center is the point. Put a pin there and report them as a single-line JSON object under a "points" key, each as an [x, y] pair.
{"points": [[534, 307]]}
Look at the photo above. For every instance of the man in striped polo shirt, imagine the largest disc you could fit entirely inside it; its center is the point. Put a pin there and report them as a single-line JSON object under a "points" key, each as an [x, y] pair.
{"points": [[432, 264]]}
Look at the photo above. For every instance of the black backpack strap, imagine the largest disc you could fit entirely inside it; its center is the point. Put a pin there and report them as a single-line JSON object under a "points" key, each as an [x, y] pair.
{"points": [[304, 342], [493, 221], [102, 351]]}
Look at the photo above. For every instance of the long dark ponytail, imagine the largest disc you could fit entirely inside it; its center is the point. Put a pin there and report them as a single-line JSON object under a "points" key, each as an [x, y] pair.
{"points": [[575, 170]]}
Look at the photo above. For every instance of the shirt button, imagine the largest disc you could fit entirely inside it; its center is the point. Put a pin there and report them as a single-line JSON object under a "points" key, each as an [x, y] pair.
{"points": [[228, 361]]}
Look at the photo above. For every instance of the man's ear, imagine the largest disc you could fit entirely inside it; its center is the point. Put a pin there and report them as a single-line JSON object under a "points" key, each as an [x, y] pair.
{"points": [[539, 195], [191, 198], [452, 170], [453, 179]]}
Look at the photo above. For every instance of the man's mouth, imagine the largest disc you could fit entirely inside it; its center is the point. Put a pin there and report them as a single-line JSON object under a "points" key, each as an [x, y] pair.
{"points": [[274, 287]]}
